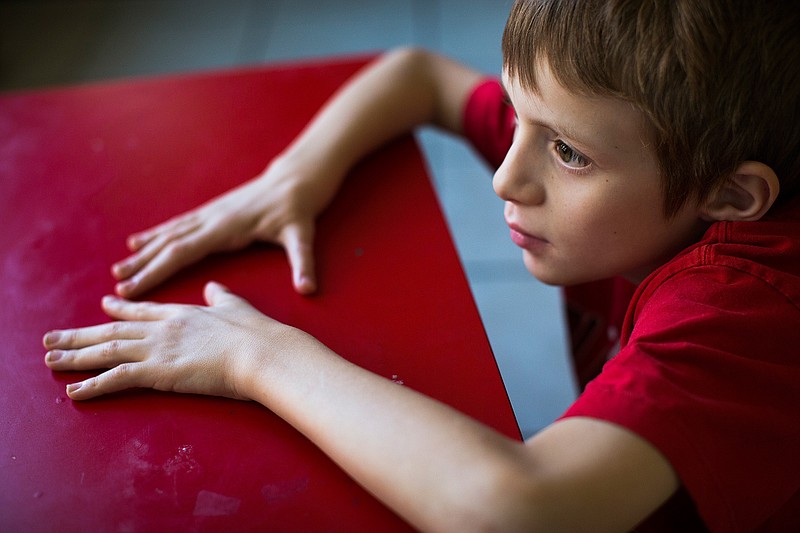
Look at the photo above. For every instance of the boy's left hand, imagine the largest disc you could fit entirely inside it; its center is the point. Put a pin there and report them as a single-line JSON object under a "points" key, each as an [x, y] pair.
{"points": [[215, 350]]}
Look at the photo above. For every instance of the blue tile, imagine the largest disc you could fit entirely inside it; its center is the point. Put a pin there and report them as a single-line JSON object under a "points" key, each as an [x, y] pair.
{"points": [[528, 344], [309, 28], [136, 38]]}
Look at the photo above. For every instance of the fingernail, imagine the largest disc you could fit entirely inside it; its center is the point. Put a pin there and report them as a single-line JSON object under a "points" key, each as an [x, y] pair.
{"points": [[306, 285], [72, 387], [52, 337], [54, 355], [124, 286]]}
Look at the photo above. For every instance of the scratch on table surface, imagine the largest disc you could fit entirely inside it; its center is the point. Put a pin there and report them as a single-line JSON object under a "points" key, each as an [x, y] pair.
{"points": [[212, 504], [279, 491]]}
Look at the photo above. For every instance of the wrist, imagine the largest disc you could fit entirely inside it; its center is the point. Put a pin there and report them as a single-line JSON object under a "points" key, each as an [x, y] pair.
{"points": [[281, 367], [318, 150]]}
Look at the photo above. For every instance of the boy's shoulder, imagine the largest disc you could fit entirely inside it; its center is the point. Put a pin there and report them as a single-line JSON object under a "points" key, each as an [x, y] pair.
{"points": [[709, 346], [733, 260], [724, 293]]}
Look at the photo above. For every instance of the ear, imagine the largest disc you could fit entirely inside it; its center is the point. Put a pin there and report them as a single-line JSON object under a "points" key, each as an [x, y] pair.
{"points": [[747, 195]]}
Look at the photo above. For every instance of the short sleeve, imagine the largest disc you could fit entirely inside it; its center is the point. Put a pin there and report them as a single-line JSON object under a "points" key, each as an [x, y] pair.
{"points": [[488, 121], [711, 377]]}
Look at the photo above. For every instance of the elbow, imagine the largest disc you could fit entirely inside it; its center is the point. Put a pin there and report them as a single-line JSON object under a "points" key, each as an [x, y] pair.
{"points": [[409, 54], [513, 502], [506, 499], [417, 63], [419, 68]]}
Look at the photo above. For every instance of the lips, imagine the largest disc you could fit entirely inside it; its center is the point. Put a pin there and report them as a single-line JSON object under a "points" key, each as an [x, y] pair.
{"points": [[525, 240]]}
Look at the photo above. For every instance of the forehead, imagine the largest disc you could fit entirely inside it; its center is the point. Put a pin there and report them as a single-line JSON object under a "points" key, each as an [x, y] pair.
{"points": [[599, 121]]}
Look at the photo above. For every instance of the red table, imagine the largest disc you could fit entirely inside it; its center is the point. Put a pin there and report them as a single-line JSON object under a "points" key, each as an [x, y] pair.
{"points": [[80, 169]]}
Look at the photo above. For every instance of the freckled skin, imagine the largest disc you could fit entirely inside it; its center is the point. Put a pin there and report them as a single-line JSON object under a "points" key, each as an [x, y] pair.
{"points": [[590, 199]]}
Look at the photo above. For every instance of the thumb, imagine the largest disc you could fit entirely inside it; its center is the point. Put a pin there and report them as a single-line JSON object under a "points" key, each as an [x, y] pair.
{"points": [[216, 294], [298, 240]]}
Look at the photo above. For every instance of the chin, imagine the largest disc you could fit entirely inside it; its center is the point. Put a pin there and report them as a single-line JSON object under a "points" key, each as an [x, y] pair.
{"points": [[548, 276], [552, 275]]}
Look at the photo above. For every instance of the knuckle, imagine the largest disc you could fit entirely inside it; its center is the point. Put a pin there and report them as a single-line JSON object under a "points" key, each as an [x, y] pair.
{"points": [[177, 324], [123, 373], [70, 338], [115, 328], [177, 252], [191, 219], [172, 250], [110, 349], [143, 310], [134, 263], [138, 311]]}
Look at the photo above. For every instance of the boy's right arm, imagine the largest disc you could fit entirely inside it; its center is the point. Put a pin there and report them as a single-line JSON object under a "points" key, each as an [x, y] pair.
{"points": [[436, 467], [400, 91]]}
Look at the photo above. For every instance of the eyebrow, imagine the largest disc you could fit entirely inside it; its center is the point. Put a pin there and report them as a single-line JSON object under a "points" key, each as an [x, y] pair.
{"points": [[560, 129]]}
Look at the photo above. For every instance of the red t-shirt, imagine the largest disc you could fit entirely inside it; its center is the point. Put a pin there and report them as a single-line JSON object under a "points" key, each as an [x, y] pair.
{"points": [[708, 369]]}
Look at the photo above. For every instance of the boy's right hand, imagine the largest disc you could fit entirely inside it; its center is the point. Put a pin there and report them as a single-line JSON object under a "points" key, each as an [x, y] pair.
{"points": [[278, 206]]}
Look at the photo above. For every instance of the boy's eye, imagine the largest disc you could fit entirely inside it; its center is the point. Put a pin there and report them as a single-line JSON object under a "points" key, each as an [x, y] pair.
{"points": [[569, 156]]}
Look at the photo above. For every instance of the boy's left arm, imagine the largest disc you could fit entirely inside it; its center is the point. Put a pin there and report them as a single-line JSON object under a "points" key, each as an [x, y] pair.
{"points": [[434, 466]]}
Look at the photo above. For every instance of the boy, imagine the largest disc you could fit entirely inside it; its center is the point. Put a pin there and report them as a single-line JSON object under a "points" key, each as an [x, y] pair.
{"points": [[651, 141]]}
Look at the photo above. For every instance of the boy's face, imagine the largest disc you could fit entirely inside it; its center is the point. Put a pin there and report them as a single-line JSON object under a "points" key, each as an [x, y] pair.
{"points": [[582, 188]]}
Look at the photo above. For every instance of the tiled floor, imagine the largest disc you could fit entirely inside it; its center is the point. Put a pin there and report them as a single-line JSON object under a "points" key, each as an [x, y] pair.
{"points": [[54, 42]]}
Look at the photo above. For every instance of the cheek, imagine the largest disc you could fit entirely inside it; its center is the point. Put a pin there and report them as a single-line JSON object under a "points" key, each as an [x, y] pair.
{"points": [[586, 209], [603, 222]]}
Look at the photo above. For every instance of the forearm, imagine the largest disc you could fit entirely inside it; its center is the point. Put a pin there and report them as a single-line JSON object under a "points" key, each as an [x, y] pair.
{"points": [[434, 466], [398, 92]]}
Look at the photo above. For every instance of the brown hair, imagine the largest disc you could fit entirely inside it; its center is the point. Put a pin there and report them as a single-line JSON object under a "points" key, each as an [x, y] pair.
{"points": [[718, 81]]}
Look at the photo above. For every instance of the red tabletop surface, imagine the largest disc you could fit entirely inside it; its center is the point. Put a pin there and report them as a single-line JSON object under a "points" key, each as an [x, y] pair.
{"points": [[80, 169]]}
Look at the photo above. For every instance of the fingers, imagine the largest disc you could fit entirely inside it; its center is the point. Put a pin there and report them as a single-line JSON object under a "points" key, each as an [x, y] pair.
{"points": [[122, 309], [217, 295], [298, 241], [134, 263], [160, 259], [133, 315], [80, 338], [138, 240], [119, 378], [163, 250], [162, 346], [120, 346], [107, 354], [112, 345], [105, 345], [148, 245]]}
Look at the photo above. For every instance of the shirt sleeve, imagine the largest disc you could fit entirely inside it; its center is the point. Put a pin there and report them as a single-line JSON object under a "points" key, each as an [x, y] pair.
{"points": [[711, 377], [488, 121]]}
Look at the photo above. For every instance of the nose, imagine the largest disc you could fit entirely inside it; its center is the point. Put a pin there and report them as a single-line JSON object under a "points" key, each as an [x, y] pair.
{"points": [[516, 179]]}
